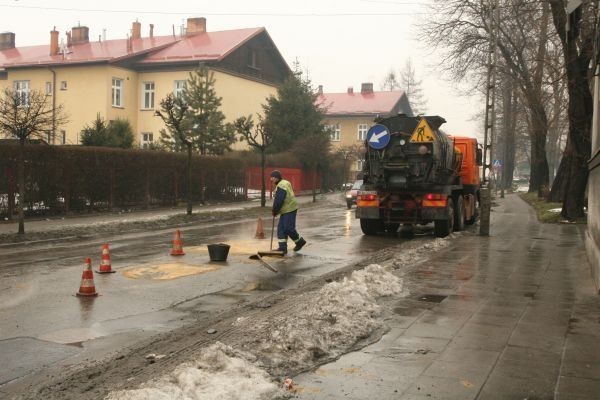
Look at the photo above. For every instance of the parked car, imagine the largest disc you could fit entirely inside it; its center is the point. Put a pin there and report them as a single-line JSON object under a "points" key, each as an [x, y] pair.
{"points": [[353, 192]]}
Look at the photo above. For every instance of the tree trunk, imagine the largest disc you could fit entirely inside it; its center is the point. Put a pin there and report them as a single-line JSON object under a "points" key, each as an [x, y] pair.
{"points": [[314, 185], [263, 188], [559, 186], [21, 179], [10, 176], [189, 179], [580, 112]]}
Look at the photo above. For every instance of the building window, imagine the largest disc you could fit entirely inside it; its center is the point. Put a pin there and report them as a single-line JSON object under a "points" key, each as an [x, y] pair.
{"points": [[148, 95], [63, 85], [49, 137], [359, 165], [63, 135], [117, 92], [147, 140], [335, 132], [22, 91], [362, 131], [179, 88], [48, 88], [252, 59]]}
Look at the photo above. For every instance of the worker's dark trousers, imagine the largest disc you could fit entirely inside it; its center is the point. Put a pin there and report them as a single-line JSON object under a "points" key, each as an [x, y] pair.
{"points": [[286, 227]]}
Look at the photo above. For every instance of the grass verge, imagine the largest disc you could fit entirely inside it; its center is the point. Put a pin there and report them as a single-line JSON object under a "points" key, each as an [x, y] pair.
{"points": [[543, 207]]}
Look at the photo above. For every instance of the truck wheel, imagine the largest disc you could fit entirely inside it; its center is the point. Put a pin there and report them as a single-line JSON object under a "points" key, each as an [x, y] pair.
{"points": [[459, 215], [443, 227], [371, 227]]}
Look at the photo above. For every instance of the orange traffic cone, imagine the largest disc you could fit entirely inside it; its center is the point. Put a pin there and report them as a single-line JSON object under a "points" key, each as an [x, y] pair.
{"points": [[260, 234], [105, 267], [177, 249], [87, 287]]}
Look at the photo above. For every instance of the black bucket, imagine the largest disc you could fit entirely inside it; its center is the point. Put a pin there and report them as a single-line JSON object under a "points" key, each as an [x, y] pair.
{"points": [[218, 252]]}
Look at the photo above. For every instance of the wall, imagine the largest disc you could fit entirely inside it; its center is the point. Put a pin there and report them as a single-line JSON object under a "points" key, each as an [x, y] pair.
{"points": [[240, 97], [349, 135], [592, 242]]}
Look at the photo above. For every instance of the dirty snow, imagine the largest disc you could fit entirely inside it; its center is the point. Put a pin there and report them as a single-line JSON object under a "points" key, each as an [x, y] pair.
{"points": [[328, 323], [219, 373], [321, 326]]}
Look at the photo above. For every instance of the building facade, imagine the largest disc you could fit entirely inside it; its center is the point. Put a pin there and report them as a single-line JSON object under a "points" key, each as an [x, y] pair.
{"points": [[127, 78], [349, 116]]}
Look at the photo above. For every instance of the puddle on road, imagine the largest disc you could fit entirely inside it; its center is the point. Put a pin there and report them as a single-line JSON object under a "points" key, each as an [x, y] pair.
{"points": [[163, 272], [260, 286]]}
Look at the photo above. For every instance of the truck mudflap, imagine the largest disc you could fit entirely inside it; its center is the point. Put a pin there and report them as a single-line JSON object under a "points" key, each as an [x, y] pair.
{"points": [[433, 213], [367, 212]]}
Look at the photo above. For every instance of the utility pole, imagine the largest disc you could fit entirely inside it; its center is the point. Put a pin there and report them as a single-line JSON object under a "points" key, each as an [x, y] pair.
{"points": [[485, 203]]}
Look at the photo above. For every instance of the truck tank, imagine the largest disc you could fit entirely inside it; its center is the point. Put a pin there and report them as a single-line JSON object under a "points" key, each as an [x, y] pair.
{"points": [[417, 156]]}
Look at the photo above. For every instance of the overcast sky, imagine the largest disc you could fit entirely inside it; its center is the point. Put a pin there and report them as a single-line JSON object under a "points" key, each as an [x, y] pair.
{"points": [[339, 43]]}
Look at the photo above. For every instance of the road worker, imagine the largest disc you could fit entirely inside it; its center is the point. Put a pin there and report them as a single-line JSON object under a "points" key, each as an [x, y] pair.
{"points": [[286, 206]]}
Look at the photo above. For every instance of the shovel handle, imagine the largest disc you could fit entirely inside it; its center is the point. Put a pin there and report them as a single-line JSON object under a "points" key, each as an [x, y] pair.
{"points": [[272, 230]]}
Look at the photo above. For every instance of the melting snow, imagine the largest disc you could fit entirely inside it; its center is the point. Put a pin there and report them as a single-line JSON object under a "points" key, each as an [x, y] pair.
{"points": [[328, 324], [219, 373]]}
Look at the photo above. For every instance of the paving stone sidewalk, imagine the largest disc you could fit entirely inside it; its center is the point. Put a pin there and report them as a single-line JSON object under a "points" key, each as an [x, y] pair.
{"points": [[511, 316]]}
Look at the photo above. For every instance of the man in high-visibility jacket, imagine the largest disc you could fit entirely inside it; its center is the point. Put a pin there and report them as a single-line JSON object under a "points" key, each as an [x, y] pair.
{"points": [[286, 206]]}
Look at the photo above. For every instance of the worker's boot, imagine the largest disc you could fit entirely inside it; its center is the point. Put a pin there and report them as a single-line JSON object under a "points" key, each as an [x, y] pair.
{"points": [[299, 244]]}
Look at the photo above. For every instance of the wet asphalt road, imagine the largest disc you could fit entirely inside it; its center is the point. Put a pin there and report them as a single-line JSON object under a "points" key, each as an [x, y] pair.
{"points": [[43, 323]]}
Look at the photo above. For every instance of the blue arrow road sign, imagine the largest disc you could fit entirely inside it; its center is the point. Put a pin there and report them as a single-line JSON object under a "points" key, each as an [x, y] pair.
{"points": [[378, 136]]}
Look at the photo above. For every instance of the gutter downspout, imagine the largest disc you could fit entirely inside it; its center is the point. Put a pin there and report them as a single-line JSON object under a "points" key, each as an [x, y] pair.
{"points": [[53, 104]]}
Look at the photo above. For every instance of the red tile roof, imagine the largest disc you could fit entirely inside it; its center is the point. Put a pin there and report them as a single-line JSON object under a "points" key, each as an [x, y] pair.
{"points": [[210, 46], [359, 103]]}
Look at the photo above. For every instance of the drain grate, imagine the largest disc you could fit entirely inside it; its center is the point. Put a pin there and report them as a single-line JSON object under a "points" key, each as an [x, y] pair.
{"points": [[432, 298]]}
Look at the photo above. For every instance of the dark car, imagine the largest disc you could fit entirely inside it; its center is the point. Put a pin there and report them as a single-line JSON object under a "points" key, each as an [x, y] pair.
{"points": [[353, 192]]}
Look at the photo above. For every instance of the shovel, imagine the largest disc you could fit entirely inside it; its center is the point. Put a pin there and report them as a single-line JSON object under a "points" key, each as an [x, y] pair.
{"points": [[265, 264]]}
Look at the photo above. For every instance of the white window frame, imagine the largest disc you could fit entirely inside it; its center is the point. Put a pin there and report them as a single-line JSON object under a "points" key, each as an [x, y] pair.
{"points": [[361, 131], [22, 91], [359, 164], [117, 92], [48, 88], [148, 95], [63, 85], [178, 87], [336, 132], [146, 139], [63, 135]]}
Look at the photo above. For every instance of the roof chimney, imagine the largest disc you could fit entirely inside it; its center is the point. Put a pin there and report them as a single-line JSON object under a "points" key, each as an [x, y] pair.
{"points": [[151, 30], [366, 88], [136, 30], [80, 34], [320, 89], [53, 42], [350, 90], [195, 26], [7, 40], [69, 41]]}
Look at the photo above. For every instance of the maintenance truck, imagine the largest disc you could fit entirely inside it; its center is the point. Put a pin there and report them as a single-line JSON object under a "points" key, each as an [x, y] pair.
{"points": [[413, 173]]}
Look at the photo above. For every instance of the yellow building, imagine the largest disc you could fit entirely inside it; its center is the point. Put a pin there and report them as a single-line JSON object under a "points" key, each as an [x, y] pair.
{"points": [[349, 116], [127, 78]]}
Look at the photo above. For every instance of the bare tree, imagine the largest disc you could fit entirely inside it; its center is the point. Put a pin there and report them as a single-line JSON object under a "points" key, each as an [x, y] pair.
{"points": [[25, 115], [258, 137], [173, 113], [461, 29], [313, 151], [390, 82], [348, 154], [578, 50], [413, 88]]}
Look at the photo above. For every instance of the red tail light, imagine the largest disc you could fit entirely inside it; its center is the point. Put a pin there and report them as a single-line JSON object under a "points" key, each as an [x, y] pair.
{"points": [[434, 196]]}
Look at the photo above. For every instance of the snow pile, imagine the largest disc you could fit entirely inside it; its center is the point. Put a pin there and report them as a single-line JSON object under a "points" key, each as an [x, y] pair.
{"points": [[411, 257], [220, 373], [328, 323]]}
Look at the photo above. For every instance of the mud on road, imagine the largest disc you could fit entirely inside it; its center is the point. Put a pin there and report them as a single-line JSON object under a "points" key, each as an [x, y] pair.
{"points": [[241, 327]]}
